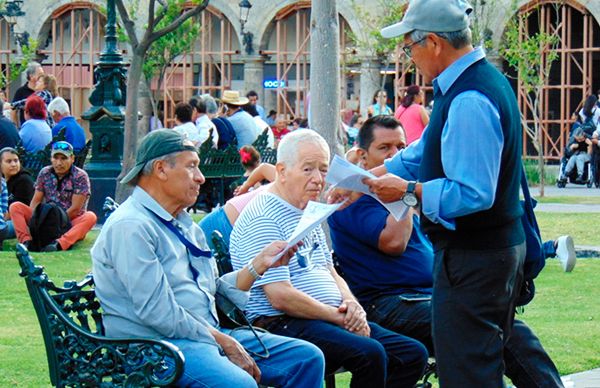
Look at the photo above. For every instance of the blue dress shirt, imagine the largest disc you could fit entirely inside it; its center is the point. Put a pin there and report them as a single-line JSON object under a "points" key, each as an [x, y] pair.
{"points": [[471, 147]]}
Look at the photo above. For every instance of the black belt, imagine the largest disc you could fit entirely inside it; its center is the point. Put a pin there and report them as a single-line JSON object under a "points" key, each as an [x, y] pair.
{"points": [[265, 321]]}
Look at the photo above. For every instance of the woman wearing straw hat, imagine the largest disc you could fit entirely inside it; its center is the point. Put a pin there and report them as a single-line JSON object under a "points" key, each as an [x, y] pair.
{"points": [[244, 125]]}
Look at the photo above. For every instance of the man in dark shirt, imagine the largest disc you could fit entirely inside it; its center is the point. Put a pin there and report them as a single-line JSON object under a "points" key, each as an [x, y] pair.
{"points": [[9, 136], [33, 72], [388, 265]]}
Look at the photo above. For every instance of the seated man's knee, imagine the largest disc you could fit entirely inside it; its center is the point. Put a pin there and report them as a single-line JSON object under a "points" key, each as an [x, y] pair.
{"points": [[373, 352], [17, 207]]}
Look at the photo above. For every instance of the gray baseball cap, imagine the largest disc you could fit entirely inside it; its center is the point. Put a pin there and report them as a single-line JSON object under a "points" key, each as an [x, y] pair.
{"points": [[431, 16]]}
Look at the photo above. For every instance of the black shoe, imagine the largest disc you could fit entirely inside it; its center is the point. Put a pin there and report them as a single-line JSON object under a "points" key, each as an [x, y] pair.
{"points": [[579, 180], [52, 247]]}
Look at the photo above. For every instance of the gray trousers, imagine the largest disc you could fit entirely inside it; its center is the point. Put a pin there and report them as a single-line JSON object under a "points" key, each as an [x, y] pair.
{"points": [[578, 160]]}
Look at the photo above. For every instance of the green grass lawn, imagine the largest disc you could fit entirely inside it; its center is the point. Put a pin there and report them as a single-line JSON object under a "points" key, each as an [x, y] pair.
{"points": [[565, 313], [595, 200]]}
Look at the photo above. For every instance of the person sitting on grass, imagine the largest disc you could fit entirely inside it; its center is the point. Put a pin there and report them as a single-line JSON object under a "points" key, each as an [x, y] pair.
{"points": [[18, 180], [64, 185], [155, 279]]}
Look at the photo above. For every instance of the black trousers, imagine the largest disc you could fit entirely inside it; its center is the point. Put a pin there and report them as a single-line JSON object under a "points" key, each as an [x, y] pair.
{"points": [[472, 313]]}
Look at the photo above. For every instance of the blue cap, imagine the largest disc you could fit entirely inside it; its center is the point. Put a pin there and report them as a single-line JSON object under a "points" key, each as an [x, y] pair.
{"points": [[431, 16]]}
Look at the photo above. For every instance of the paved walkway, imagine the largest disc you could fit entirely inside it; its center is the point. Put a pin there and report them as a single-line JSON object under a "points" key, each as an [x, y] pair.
{"points": [[587, 379]]}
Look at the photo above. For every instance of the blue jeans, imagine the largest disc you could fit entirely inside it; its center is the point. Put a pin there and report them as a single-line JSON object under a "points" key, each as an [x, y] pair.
{"points": [[412, 319], [7, 232], [548, 249], [385, 358], [216, 220], [527, 363], [291, 363], [472, 312]]}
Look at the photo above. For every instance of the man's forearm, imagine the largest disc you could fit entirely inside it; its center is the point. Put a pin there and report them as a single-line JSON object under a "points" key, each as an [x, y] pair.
{"points": [[299, 305]]}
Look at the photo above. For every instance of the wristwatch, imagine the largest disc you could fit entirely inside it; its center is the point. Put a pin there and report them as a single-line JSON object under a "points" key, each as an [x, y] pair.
{"points": [[252, 271], [410, 198]]}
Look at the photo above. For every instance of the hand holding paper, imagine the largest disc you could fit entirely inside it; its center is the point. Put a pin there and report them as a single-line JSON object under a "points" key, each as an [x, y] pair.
{"points": [[346, 175]]}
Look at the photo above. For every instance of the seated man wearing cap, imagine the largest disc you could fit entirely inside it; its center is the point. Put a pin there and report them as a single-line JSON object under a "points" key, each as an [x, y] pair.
{"points": [[246, 129], [155, 278], [62, 184]]}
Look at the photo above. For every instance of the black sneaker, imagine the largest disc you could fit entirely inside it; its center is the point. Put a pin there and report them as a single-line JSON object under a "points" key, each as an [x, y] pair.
{"points": [[52, 247], [27, 244]]}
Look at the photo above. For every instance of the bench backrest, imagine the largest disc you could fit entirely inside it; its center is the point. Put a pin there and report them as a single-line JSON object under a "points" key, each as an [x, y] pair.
{"points": [[63, 313], [78, 353]]}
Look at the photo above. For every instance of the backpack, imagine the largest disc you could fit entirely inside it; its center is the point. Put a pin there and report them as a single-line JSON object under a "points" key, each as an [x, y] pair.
{"points": [[48, 223], [535, 259]]}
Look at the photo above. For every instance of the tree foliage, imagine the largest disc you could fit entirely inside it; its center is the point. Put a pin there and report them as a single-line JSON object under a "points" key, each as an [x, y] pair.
{"points": [[165, 50], [156, 26], [531, 55], [17, 67]]}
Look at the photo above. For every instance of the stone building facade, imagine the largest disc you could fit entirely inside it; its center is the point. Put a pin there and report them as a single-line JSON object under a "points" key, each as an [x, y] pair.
{"points": [[277, 66]]}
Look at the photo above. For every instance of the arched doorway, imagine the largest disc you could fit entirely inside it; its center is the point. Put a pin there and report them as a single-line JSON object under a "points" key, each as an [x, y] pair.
{"points": [[71, 42], [574, 76], [207, 68], [289, 50]]}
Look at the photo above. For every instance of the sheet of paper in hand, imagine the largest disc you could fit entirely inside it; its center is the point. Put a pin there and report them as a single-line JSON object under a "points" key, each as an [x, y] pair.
{"points": [[346, 175], [313, 215]]}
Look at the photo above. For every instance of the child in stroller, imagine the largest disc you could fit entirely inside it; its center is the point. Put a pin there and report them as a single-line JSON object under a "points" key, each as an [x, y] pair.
{"points": [[575, 164]]}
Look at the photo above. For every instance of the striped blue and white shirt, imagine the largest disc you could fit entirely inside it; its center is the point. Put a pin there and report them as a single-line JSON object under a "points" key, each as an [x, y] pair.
{"points": [[268, 218], [3, 203]]}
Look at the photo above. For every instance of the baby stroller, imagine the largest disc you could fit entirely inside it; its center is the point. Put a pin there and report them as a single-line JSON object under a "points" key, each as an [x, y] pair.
{"points": [[586, 178]]}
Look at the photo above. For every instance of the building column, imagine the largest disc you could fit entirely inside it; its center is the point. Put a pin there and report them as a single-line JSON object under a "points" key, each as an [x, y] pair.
{"points": [[370, 82], [254, 75]]}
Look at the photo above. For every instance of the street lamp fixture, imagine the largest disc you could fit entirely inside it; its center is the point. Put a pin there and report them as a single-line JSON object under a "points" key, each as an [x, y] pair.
{"points": [[247, 36], [12, 11]]}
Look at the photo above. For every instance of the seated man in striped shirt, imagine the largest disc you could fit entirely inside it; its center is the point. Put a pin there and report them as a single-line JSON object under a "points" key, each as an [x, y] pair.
{"points": [[313, 302]]}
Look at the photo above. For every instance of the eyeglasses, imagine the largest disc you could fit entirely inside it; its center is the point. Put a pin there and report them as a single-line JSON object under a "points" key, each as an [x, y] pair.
{"points": [[408, 48], [62, 145]]}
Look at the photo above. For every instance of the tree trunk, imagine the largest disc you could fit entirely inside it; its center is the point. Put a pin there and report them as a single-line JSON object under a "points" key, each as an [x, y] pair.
{"points": [[131, 122], [325, 74]]}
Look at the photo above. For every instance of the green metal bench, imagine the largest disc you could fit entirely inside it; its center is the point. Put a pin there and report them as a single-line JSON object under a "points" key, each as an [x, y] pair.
{"points": [[35, 161], [221, 168], [79, 354]]}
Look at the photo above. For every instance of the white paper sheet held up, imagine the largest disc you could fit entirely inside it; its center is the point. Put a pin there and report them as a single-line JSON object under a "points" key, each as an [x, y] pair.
{"points": [[346, 175], [313, 215]]}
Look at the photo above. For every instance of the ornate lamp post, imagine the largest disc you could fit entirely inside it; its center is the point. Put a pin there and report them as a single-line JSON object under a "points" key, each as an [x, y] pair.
{"points": [[247, 36], [106, 116], [12, 10]]}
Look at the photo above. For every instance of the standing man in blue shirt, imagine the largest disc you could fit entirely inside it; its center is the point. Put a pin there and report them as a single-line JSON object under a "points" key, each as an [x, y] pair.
{"points": [[74, 133], [388, 265], [246, 129], [468, 169], [252, 97]]}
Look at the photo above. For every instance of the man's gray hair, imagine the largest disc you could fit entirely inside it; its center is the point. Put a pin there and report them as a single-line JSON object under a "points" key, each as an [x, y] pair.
{"points": [[169, 158], [289, 147], [457, 39], [31, 69], [59, 105], [211, 104]]}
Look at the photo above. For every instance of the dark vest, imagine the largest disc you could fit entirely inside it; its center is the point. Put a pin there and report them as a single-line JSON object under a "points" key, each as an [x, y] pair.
{"points": [[500, 226]]}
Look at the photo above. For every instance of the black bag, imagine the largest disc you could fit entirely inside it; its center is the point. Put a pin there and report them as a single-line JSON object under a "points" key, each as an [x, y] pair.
{"points": [[535, 259], [48, 223]]}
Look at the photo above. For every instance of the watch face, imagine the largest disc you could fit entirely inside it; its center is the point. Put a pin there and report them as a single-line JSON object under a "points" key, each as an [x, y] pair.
{"points": [[410, 199]]}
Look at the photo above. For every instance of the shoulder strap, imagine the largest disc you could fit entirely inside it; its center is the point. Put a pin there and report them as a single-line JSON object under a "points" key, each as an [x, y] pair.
{"points": [[194, 250]]}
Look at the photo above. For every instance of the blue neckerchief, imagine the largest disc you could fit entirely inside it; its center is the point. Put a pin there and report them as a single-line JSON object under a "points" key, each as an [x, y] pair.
{"points": [[194, 250]]}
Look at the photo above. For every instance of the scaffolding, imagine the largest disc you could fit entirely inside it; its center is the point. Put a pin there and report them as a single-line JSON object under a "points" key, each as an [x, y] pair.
{"points": [[207, 68], [572, 76], [292, 58], [74, 41], [6, 51]]}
